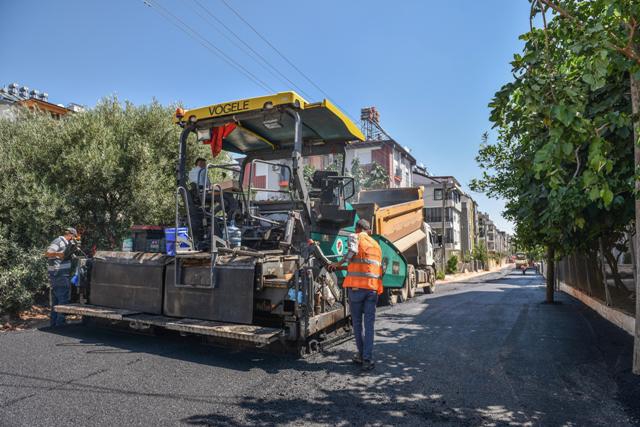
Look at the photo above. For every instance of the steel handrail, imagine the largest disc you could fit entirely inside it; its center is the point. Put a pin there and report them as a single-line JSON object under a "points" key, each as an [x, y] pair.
{"points": [[181, 191], [248, 199], [228, 167], [224, 216]]}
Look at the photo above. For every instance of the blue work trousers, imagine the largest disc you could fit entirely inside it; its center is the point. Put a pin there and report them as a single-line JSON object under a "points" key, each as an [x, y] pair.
{"points": [[363, 310], [60, 294]]}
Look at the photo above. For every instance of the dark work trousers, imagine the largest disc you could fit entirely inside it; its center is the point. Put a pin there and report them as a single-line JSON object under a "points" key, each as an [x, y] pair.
{"points": [[60, 294], [363, 310]]}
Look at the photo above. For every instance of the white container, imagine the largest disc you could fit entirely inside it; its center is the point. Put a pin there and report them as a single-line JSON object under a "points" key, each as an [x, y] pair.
{"points": [[127, 245]]}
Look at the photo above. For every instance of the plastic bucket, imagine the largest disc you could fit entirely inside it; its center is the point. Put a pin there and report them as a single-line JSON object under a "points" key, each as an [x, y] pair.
{"points": [[170, 238]]}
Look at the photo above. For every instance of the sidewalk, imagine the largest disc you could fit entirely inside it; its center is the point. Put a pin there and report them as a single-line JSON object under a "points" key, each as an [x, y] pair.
{"points": [[469, 275]]}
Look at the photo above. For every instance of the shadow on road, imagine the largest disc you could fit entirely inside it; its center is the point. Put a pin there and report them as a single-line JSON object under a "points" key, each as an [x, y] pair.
{"points": [[478, 352]]}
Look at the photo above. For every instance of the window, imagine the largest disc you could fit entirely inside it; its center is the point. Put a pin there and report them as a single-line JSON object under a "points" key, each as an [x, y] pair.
{"points": [[448, 235], [453, 195], [364, 156], [435, 214], [437, 194]]}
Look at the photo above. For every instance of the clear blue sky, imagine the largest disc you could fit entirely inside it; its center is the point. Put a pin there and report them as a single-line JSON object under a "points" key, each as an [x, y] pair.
{"points": [[429, 66]]}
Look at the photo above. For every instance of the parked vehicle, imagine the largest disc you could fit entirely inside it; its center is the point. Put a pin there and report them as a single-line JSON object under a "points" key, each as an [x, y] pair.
{"points": [[397, 218]]}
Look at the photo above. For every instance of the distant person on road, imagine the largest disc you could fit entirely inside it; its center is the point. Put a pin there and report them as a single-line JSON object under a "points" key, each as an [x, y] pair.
{"points": [[364, 284], [198, 174], [58, 256]]}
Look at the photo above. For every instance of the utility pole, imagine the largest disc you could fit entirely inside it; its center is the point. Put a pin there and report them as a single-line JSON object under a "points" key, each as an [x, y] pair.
{"points": [[444, 198], [485, 264]]}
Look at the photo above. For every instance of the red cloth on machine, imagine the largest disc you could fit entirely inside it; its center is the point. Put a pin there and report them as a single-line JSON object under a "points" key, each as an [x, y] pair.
{"points": [[219, 133]]}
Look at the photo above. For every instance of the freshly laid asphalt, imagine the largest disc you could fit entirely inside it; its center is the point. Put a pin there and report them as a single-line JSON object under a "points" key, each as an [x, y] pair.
{"points": [[480, 352]]}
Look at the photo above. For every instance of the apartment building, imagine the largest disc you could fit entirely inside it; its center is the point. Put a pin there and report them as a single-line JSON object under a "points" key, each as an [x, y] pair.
{"points": [[468, 225], [442, 196], [396, 160], [14, 96]]}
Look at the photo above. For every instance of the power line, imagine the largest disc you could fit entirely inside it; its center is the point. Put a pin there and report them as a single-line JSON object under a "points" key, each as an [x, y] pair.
{"points": [[272, 69], [183, 26], [281, 54]]}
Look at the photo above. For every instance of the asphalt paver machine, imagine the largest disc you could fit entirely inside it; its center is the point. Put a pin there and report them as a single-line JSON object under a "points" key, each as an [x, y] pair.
{"points": [[250, 271]]}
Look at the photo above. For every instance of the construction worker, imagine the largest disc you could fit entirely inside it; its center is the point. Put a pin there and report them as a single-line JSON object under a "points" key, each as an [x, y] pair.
{"points": [[364, 284], [198, 174], [59, 268]]}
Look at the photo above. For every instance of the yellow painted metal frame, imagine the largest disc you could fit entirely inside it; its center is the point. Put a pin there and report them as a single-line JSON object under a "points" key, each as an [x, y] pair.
{"points": [[242, 106], [257, 104], [351, 127]]}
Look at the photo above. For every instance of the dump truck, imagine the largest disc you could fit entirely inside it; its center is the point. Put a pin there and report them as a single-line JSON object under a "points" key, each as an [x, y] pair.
{"points": [[397, 219], [251, 265]]}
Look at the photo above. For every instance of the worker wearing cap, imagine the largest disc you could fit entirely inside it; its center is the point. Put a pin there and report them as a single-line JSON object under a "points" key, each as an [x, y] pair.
{"points": [[59, 268], [364, 284]]}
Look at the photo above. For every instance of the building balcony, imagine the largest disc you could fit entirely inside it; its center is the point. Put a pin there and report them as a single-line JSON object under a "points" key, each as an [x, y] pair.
{"points": [[438, 224], [430, 203], [456, 246]]}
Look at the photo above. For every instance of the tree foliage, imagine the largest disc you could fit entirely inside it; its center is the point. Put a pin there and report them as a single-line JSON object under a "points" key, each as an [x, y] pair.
{"points": [[102, 171], [563, 158], [480, 254], [372, 178], [452, 265]]}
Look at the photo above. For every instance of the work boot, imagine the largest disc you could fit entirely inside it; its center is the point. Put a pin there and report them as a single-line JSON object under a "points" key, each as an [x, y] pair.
{"points": [[357, 359], [368, 365]]}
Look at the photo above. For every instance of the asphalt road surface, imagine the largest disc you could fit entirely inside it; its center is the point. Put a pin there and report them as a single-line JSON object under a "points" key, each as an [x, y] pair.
{"points": [[480, 352]]}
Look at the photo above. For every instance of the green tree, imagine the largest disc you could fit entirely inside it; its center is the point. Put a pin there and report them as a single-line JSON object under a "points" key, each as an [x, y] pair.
{"points": [[479, 253], [308, 172], [102, 170], [358, 174], [376, 177], [563, 156], [452, 264]]}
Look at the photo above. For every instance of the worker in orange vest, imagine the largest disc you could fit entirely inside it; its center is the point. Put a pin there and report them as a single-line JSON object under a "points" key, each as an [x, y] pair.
{"points": [[364, 284]]}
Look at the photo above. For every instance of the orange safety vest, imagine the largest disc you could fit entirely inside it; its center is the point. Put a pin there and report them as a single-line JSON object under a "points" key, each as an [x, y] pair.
{"points": [[365, 268]]}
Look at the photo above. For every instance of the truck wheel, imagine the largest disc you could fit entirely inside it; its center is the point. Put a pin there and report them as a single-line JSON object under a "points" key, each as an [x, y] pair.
{"points": [[388, 297], [431, 287], [411, 279], [394, 298], [403, 295]]}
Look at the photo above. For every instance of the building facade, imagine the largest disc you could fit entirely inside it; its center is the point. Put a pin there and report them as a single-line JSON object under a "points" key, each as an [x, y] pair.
{"points": [[483, 227], [14, 96], [495, 241], [468, 225], [443, 197], [395, 159]]}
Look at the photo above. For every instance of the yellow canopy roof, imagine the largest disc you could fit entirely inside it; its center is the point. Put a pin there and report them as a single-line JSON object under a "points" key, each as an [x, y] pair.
{"points": [[263, 122]]}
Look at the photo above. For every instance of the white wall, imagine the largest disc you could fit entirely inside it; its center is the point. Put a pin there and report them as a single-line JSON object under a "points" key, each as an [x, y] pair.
{"points": [[362, 154], [7, 112], [404, 164]]}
